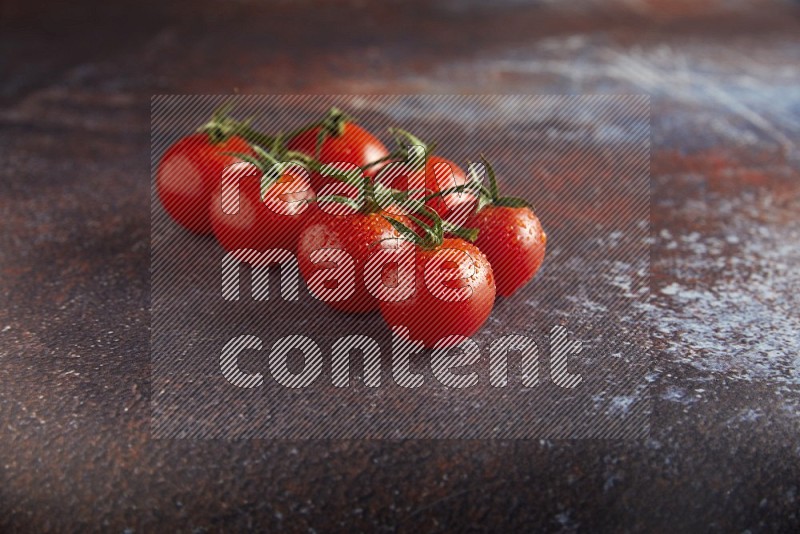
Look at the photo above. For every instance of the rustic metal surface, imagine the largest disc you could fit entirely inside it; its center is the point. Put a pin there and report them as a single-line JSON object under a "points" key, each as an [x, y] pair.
{"points": [[74, 205]]}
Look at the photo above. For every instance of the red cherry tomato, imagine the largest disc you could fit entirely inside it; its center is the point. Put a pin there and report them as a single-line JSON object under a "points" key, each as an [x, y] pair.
{"points": [[453, 294], [353, 145], [245, 221], [402, 177], [358, 235], [514, 241], [510, 235], [188, 174], [440, 175]]}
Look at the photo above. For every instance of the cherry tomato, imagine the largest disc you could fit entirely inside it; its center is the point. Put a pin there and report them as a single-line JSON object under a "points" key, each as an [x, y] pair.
{"points": [[510, 235], [344, 142], [245, 221], [402, 177], [358, 235], [440, 175], [189, 173], [453, 295], [514, 241]]}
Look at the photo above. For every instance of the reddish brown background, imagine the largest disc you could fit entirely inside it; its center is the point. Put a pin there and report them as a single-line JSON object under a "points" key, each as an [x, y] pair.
{"points": [[74, 365]]}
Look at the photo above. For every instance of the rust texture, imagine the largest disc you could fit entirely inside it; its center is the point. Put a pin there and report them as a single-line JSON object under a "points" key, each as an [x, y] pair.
{"points": [[74, 265]]}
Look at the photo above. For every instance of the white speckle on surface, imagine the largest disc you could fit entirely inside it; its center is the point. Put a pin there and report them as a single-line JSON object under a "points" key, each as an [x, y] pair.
{"points": [[734, 315], [621, 404], [750, 415], [691, 238], [672, 289], [565, 520], [677, 394]]}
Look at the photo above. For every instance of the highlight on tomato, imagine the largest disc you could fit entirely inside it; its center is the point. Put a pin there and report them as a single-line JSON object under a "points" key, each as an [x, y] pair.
{"points": [[338, 240], [261, 203], [336, 138], [423, 173], [510, 234], [453, 286], [190, 170]]}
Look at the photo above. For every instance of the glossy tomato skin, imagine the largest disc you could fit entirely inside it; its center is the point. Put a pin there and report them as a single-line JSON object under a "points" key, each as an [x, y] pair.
{"points": [[189, 173], [430, 318], [442, 174], [254, 225], [439, 174], [514, 241], [358, 234], [355, 146]]}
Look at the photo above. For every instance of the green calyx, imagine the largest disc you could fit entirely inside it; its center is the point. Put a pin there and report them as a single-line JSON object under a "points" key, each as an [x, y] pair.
{"points": [[331, 125], [221, 127], [491, 196], [272, 163], [366, 202], [431, 235], [334, 121], [405, 141]]}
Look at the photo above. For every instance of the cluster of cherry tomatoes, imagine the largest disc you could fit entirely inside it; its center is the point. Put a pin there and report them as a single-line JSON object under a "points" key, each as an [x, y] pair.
{"points": [[333, 186]]}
